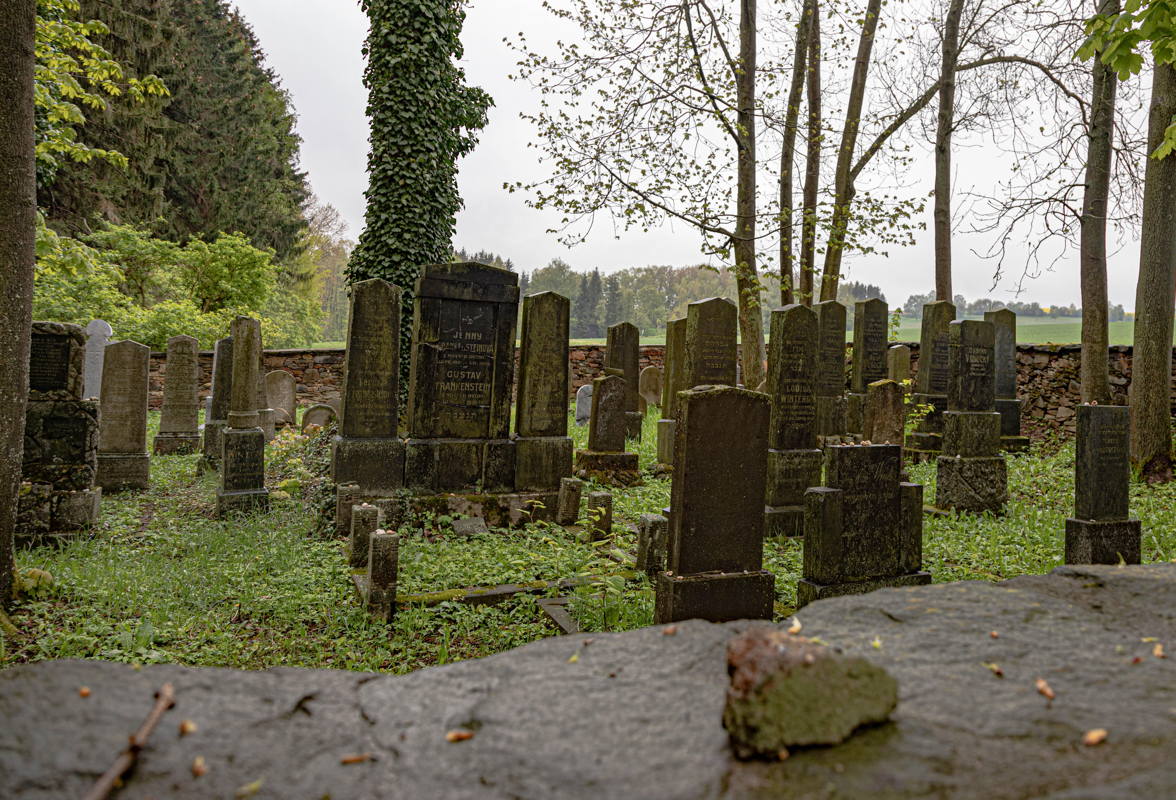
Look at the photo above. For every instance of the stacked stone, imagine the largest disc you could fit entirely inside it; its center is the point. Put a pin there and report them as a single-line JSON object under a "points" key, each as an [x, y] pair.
{"points": [[60, 458], [672, 383], [122, 443], [543, 449], [1102, 530], [180, 416], [870, 329], [1008, 406], [971, 474], [715, 542], [794, 457], [622, 356], [926, 440], [242, 461], [281, 390], [830, 389], [217, 418], [98, 333], [864, 529], [606, 459]]}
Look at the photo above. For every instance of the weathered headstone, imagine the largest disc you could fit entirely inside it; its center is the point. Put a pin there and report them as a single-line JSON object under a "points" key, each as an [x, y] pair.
{"points": [[971, 474], [711, 345], [180, 416], [583, 404], [267, 415], [217, 418], [623, 354], [898, 363], [98, 333], [864, 528], [830, 388], [1102, 531], [649, 385], [543, 449], [122, 446], [652, 532], [885, 414], [1008, 406], [606, 459], [242, 477], [570, 491], [600, 515], [281, 390], [673, 381], [870, 324], [931, 380], [794, 457], [366, 519], [715, 551], [382, 575], [320, 415]]}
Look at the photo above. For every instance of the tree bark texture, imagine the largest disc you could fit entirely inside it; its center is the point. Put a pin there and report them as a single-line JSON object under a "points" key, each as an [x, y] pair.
{"points": [[746, 280], [788, 155], [943, 130], [812, 161]]}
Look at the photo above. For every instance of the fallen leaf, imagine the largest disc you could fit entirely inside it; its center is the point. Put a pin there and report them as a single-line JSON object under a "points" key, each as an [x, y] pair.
{"points": [[1044, 689], [795, 627], [199, 767], [1149, 639], [356, 758], [994, 668], [84, 691], [993, 635], [575, 657], [669, 630], [1094, 736], [186, 727], [782, 754], [248, 790], [459, 736], [1158, 651], [1137, 660], [876, 644]]}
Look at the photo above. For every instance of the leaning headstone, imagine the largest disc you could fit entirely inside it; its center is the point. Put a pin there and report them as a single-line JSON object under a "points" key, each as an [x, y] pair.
{"points": [[652, 532], [123, 462], [623, 354], [583, 404], [863, 529], [599, 508], [1008, 406], [98, 333], [543, 449], [931, 380], [319, 415], [885, 414], [716, 539], [870, 328], [570, 491], [794, 457], [366, 519], [242, 477], [180, 416], [673, 381], [649, 385], [898, 363], [711, 345], [830, 388], [971, 474], [606, 459], [217, 418], [1102, 530], [281, 390]]}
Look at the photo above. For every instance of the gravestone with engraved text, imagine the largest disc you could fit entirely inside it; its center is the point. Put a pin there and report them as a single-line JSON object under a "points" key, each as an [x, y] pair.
{"points": [[180, 416], [123, 462], [1102, 530], [543, 449]]}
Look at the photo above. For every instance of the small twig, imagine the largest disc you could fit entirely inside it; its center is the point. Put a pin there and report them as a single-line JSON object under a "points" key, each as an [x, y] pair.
{"points": [[165, 698]]}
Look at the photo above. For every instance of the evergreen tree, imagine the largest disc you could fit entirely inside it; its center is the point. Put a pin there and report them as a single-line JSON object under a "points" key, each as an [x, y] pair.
{"points": [[613, 310]]}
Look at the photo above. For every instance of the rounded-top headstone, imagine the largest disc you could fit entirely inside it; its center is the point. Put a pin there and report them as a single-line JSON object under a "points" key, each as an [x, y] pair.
{"points": [[98, 334], [583, 404]]}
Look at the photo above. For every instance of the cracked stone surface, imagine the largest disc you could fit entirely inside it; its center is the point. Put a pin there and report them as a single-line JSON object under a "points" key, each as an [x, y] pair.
{"points": [[639, 714]]}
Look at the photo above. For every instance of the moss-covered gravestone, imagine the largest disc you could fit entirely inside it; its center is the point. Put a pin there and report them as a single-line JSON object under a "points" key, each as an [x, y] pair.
{"points": [[1101, 530], [606, 459], [543, 449], [123, 462], [623, 354], [871, 319], [711, 346], [926, 440], [673, 381], [1008, 406], [830, 387], [242, 476], [180, 416], [885, 414], [218, 407]]}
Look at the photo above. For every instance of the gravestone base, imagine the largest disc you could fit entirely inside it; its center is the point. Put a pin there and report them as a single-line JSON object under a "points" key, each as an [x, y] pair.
{"points": [[243, 501], [123, 471], [613, 469], [790, 474], [830, 416], [439, 465], [783, 521], [375, 464], [498, 510], [167, 444], [633, 423], [855, 413], [808, 591], [1103, 542], [268, 420], [1014, 444], [974, 485], [541, 462], [1010, 416], [665, 441], [926, 440], [714, 596], [242, 485], [44, 514], [971, 434]]}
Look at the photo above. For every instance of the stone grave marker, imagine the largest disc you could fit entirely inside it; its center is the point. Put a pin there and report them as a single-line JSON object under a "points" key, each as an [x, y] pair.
{"points": [[885, 415], [870, 330], [217, 418], [179, 420], [830, 387], [583, 404], [383, 570], [898, 363], [652, 533], [98, 334], [469, 526], [366, 519], [267, 416], [319, 414], [864, 528], [543, 449], [600, 515], [1102, 530], [673, 381], [715, 542], [711, 344], [650, 385], [931, 380], [606, 458], [623, 353], [281, 390], [1008, 406], [123, 462], [570, 491], [242, 477]]}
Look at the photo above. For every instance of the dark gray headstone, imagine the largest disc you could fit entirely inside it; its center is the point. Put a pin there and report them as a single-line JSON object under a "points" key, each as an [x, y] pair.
{"points": [[830, 388], [934, 342], [673, 381], [180, 415], [971, 377], [623, 353], [122, 448], [56, 361], [543, 366], [870, 330], [246, 335], [1102, 463], [1004, 323], [606, 429], [222, 378], [382, 576], [711, 344]]}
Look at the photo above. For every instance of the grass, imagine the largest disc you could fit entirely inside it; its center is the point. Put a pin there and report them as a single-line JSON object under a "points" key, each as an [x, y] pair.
{"points": [[161, 580]]}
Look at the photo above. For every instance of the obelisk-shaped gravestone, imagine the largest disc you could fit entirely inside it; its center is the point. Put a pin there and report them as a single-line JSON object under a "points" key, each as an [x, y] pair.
{"points": [[971, 474], [672, 383], [242, 477], [1008, 406], [543, 449], [870, 320], [218, 407], [180, 416], [1102, 531], [122, 444], [622, 355], [367, 450], [716, 538], [794, 459], [830, 391], [712, 344], [931, 380], [98, 333], [606, 460]]}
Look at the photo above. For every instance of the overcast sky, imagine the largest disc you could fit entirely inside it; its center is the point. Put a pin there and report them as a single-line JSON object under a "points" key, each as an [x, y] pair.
{"points": [[314, 45]]}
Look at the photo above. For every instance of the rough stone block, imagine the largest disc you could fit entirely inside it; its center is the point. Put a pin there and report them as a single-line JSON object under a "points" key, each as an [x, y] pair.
{"points": [[383, 569], [366, 519], [438, 465], [245, 501], [498, 466], [633, 423], [374, 464], [665, 441], [615, 469], [1108, 542], [971, 484], [1010, 416], [542, 462], [570, 490], [599, 509], [714, 596], [75, 511], [652, 539], [34, 509]]}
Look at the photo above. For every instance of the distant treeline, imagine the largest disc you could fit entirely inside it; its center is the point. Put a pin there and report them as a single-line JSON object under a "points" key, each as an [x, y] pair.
{"points": [[913, 307]]}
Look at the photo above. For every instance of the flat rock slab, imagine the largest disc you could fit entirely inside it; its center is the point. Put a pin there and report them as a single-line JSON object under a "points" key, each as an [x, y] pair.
{"points": [[639, 714]]}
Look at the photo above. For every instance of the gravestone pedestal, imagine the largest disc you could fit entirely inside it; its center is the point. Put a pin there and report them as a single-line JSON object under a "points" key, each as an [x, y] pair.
{"points": [[242, 488], [124, 470], [926, 440], [1011, 440], [1106, 542], [377, 464]]}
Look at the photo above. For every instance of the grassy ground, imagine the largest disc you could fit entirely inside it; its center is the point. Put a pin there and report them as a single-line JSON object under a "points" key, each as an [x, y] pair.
{"points": [[161, 580]]}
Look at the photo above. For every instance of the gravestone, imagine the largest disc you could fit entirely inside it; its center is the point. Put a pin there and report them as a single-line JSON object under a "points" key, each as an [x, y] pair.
{"points": [[242, 476], [320, 415], [898, 363], [794, 456], [715, 543], [711, 345], [98, 333], [599, 509], [366, 519], [673, 381], [870, 328], [623, 354], [971, 473], [60, 456], [180, 416], [605, 459], [267, 416], [583, 404], [652, 532], [543, 449], [281, 390], [885, 414], [123, 462], [830, 388], [217, 418], [649, 385], [1102, 530], [377, 586], [367, 450], [863, 530], [1008, 406], [570, 491], [931, 380]]}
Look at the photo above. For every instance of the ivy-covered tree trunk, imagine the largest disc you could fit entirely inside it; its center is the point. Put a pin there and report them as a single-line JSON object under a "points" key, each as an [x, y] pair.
{"points": [[751, 326], [18, 209], [423, 118]]}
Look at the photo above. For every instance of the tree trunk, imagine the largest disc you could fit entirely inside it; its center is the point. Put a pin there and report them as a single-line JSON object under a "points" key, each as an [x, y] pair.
{"points": [[751, 327], [843, 188], [1151, 369], [812, 162], [1096, 386], [943, 130], [18, 209], [788, 154]]}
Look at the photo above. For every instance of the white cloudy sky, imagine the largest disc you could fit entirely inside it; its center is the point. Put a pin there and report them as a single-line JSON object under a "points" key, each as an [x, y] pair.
{"points": [[314, 45]]}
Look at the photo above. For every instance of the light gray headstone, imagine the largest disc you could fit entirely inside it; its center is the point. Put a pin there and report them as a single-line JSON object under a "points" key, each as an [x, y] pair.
{"points": [[281, 390], [583, 404], [98, 334]]}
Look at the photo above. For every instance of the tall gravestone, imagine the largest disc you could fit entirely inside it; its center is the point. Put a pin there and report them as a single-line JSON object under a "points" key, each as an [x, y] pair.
{"points": [[1102, 530], [672, 383], [543, 449], [123, 462], [606, 459], [460, 380], [971, 475], [931, 380], [898, 363], [367, 450], [864, 528], [242, 476], [179, 419], [794, 457], [60, 456], [217, 418], [711, 346], [1004, 323], [716, 537], [98, 333], [830, 390], [281, 390], [870, 323], [622, 355]]}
